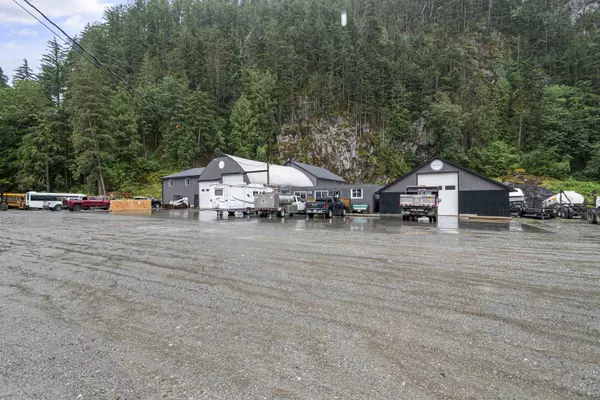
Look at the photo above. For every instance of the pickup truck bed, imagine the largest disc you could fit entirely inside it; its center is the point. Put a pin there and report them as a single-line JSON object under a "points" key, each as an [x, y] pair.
{"points": [[88, 203]]}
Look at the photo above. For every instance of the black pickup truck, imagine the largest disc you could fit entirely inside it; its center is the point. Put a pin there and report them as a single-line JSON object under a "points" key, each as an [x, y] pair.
{"points": [[328, 207]]}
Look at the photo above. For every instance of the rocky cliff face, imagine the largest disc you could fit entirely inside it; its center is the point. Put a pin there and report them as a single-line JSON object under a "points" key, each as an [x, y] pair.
{"points": [[581, 7], [335, 143]]}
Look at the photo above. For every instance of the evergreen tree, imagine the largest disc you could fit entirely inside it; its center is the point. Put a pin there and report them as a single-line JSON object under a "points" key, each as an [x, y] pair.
{"points": [[52, 76], [24, 72], [3, 79]]}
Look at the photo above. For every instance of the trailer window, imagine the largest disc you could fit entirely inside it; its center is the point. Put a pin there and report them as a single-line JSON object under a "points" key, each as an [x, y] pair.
{"points": [[356, 194], [451, 187], [218, 192]]}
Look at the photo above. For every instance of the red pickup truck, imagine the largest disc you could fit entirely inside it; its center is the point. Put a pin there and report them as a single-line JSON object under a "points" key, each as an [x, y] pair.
{"points": [[88, 203]]}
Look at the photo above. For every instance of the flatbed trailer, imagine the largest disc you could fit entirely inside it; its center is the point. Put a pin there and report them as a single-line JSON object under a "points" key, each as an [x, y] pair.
{"points": [[540, 213]]}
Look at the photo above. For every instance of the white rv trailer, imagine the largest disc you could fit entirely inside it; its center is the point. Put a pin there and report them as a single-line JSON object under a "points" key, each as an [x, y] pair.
{"points": [[235, 197]]}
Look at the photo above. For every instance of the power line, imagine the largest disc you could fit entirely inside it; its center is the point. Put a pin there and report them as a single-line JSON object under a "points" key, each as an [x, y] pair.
{"points": [[96, 60], [40, 21], [59, 36]]}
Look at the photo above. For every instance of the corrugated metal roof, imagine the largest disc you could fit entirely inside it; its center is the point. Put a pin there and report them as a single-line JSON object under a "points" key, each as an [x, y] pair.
{"points": [[186, 173], [318, 172], [256, 171]]}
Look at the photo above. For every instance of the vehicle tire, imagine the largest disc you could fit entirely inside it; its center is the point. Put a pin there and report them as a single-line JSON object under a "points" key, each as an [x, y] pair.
{"points": [[291, 215], [430, 220], [593, 217], [330, 213], [230, 214], [343, 212], [58, 207], [282, 213], [435, 219], [77, 207], [3, 206], [311, 216]]}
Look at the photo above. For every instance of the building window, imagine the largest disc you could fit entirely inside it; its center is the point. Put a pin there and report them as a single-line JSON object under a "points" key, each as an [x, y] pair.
{"points": [[451, 187], [187, 181], [170, 182], [321, 194], [356, 194], [301, 194]]}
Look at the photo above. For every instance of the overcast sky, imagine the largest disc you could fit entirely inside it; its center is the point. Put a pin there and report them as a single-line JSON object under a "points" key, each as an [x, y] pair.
{"points": [[21, 36]]}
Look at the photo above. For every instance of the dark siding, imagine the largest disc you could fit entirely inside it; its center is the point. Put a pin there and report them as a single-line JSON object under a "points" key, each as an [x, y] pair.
{"points": [[212, 172], [493, 203], [389, 203], [466, 179]]}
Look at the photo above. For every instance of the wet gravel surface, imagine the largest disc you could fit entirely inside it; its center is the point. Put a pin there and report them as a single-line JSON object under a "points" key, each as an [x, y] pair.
{"points": [[180, 305]]}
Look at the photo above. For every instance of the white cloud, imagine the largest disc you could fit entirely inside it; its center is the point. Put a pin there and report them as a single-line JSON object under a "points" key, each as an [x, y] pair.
{"points": [[12, 45], [74, 24], [58, 10], [23, 32]]}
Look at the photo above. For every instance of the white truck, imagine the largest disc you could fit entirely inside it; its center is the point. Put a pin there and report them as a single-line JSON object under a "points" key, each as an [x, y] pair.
{"points": [[420, 201], [279, 204], [235, 197]]}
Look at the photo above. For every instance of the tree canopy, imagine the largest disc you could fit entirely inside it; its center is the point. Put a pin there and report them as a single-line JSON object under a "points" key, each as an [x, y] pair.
{"points": [[496, 86]]}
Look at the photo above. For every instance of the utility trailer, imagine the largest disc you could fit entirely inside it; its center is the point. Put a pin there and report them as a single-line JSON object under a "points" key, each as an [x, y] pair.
{"points": [[235, 197], [281, 205], [566, 204], [420, 201]]}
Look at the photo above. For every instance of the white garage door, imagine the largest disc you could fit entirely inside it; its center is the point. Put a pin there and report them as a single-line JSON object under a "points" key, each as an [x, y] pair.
{"points": [[204, 190], [447, 182], [233, 178]]}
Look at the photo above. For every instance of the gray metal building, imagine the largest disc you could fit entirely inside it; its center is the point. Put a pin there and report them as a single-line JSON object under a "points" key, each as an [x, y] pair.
{"points": [[232, 169], [462, 191], [184, 183], [359, 194]]}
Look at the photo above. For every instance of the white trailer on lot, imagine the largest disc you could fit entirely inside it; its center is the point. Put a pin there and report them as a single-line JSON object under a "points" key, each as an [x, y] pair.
{"points": [[235, 197]]}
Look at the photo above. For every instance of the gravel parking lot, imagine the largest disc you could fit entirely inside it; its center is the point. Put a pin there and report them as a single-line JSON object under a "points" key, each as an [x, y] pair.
{"points": [[181, 305]]}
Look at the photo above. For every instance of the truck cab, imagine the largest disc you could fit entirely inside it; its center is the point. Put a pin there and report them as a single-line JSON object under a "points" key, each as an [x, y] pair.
{"points": [[327, 207]]}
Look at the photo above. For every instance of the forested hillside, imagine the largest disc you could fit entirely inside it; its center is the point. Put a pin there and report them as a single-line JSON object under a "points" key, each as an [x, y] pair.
{"points": [[495, 85]]}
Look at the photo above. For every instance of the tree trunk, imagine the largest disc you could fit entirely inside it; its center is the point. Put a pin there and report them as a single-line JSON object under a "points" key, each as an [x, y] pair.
{"points": [[520, 129], [47, 176]]}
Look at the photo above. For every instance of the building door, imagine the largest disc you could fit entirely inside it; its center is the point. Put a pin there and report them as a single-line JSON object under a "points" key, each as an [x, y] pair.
{"points": [[447, 183], [204, 191], [196, 200], [233, 178]]}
